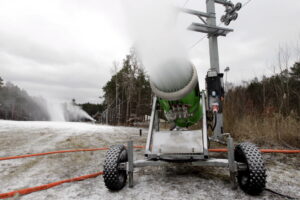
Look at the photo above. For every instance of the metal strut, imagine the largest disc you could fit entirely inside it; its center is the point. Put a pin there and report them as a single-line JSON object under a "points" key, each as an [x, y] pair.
{"points": [[232, 163], [130, 163]]}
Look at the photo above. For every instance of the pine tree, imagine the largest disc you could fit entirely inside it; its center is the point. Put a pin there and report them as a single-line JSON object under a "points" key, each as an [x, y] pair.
{"points": [[295, 71]]}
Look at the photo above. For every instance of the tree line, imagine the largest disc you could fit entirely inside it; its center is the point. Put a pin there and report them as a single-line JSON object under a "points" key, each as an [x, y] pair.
{"points": [[127, 95], [266, 111], [279, 93], [16, 104]]}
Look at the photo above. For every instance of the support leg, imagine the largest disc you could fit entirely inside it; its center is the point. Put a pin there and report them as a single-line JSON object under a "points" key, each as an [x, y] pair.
{"points": [[130, 163], [232, 163]]}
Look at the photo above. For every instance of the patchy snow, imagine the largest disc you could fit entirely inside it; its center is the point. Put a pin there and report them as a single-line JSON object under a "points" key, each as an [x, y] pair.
{"points": [[176, 182]]}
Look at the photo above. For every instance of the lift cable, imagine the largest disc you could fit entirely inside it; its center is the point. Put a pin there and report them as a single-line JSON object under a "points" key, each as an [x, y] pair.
{"points": [[197, 42], [185, 3], [245, 4]]}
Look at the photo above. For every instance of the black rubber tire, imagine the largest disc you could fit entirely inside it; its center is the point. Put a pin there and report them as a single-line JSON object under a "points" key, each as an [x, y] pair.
{"points": [[253, 180], [114, 178]]}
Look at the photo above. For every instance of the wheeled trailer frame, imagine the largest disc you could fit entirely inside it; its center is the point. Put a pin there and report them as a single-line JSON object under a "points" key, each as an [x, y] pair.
{"points": [[244, 162], [232, 165], [194, 159]]}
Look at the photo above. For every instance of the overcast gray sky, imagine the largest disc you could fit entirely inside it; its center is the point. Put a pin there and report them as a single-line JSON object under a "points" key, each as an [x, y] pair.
{"points": [[64, 49]]}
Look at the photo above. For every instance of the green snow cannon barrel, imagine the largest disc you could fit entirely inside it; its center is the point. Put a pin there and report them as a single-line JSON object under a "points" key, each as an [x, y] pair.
{"points": [[177, 89]]}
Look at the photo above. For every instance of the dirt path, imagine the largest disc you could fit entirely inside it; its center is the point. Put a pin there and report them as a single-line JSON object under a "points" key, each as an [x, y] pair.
{"points": [[150, 183]]}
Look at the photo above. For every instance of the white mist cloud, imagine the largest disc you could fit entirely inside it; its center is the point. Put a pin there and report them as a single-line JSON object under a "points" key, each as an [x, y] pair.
{"points": [[152, 25]]}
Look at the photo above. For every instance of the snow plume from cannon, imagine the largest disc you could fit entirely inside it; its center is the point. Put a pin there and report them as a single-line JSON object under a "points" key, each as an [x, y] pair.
{"points": [[153, 29], [76, 113], [65, 111], [55, 111]]}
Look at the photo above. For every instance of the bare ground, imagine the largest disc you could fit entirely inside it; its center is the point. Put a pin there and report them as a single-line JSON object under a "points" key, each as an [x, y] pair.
{"points": [[176, 182]]}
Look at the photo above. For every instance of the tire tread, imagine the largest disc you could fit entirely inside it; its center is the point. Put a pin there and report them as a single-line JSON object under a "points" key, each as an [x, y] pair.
{"points": [[114, 156], [248, 153]]}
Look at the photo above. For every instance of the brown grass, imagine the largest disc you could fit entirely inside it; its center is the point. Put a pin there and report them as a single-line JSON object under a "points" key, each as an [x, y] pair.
{"points": [[274, 130]]}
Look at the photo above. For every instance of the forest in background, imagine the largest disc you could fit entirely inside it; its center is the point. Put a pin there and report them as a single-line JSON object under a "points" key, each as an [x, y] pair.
{"points": [[266, 111], [127, 95], [16, 104]]}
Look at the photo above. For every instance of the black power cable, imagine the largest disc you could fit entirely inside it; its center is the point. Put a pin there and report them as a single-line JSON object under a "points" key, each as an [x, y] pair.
{"points": [[212, 127], [215, 124], [279, 194]]}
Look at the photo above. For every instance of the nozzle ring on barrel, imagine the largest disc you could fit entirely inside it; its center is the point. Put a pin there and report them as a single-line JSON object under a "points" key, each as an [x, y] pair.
{"points": [[176, 95]]}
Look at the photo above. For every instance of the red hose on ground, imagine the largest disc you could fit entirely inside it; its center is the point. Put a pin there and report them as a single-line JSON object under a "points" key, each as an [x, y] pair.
{"points": [[279, 151], [262, 150], [50, 185], [47, 186], [140, 147], [56, 152], [52, 152]]}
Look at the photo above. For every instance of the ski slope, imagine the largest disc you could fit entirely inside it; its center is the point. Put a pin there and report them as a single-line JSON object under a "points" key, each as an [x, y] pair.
{"points": [[176, 182]]}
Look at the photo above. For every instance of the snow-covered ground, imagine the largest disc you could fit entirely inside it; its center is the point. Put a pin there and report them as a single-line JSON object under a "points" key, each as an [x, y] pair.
{"points": [[181, 182]]}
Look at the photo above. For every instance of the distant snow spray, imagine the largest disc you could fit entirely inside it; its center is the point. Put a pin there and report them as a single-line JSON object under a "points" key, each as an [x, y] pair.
{"points": [[65, 112]]}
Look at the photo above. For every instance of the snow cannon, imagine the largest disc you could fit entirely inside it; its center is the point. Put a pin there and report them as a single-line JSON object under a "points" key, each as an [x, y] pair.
{"points": [[177, 97], [191, 113], [177, 90]]}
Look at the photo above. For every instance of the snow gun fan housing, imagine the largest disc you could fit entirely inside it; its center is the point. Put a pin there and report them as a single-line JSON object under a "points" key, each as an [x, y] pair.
{"points": [[178, 94]]}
